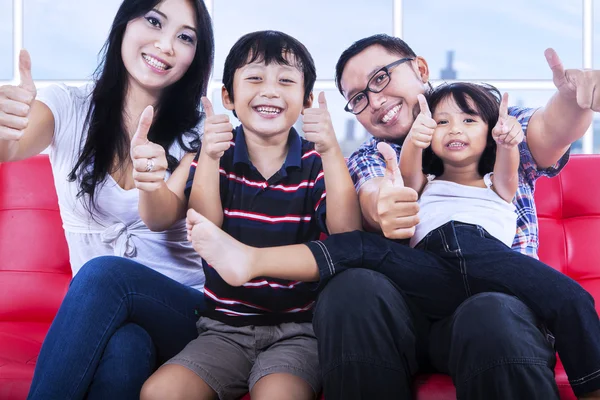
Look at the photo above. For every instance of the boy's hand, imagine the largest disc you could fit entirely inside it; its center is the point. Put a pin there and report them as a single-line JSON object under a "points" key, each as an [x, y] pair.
{"points": [[15, 102], [149, 159], [424, 126], [318, 127], [397, 206], [218, 132], [508, 132], [578, 84]]}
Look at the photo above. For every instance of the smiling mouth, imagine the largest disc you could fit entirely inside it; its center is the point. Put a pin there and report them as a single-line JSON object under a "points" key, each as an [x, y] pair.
{"points": [[456, 145], [391, 113], [153, 62], [268, 110]]}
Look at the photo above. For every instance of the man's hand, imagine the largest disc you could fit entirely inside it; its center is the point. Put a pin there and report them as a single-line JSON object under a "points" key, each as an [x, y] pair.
{"points": [[397, 206], [579, 84]]}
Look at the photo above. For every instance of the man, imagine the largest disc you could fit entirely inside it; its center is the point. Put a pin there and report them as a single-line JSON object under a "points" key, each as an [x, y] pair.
{"points": [[372, 341]]}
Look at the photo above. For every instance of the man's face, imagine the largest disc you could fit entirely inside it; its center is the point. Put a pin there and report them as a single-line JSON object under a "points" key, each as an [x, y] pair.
{"points": [[390, 113]]}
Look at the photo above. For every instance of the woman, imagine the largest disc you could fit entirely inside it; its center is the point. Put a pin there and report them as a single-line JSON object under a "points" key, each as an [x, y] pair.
{"points": [[119, 316]]}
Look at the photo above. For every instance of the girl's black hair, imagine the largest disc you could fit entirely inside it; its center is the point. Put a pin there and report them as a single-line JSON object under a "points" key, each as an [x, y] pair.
{"points": [[486, 101], [270, 47], [176, 115]]}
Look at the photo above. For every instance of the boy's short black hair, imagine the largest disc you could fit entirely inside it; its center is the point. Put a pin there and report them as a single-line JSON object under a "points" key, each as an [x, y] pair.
{"points": [[269, 46], [486, 99], [390, 43]]}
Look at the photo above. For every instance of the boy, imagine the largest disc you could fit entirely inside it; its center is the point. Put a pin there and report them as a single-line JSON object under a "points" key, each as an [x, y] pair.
{"points": [[265, 186]]}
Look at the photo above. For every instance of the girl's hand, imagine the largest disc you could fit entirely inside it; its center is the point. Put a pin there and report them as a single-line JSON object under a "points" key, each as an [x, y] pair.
{"points": [[424, 126], [16, 101], [218, 132], [149, 159], [508, 132], [318, 127]]}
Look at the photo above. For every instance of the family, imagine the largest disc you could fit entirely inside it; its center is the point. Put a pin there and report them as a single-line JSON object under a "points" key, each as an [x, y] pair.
{"points": [[211, 260]]}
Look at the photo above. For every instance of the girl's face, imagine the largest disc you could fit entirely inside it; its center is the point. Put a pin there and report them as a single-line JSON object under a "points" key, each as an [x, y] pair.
{"points": [[159, 47], [459, 138]]}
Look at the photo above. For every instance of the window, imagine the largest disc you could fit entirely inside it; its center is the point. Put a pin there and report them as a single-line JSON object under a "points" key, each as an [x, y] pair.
{"points": [[6, 40]]}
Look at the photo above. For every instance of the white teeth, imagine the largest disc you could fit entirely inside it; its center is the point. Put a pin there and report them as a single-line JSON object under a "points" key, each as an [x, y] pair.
{"points": [[268, 110], [390, 114], [456, 145], [154, 62]]}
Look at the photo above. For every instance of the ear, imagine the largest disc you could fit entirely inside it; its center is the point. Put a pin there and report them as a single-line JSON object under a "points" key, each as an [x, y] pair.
{"points": [[308, 102], [423, 69], [227, 102]]}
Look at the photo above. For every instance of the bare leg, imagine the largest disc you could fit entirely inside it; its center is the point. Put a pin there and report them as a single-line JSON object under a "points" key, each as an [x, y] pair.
{"points": [[175, 382], [238, 263], [282, 387]]}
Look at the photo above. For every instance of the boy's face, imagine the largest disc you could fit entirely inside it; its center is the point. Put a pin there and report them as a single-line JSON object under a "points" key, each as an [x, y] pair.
{"points": [[398, 100], [268, 99]]}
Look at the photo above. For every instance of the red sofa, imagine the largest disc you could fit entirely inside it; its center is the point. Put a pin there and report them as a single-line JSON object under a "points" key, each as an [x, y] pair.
{"points": [[35, 271]]}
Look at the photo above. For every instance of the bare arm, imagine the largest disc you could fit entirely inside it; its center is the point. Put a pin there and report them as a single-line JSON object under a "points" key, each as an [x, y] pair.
{"points": [[567, 115], [507, 134], [26, 125], [343, 212], [205, 196]]}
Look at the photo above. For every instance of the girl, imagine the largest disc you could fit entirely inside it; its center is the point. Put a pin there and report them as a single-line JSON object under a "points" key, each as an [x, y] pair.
{"points": [[121, 314], [464, 238]]}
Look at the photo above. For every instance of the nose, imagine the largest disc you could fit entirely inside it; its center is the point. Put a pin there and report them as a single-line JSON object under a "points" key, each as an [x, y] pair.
{"points": [[164, 45], [376, 100], [455, 128], [269, 89]]}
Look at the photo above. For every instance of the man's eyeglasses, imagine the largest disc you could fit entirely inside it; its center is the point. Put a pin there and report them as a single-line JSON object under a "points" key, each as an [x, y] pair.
{"points": [[376, 84]]}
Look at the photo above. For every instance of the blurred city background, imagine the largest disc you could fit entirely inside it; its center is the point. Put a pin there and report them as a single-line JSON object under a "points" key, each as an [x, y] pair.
{"points": [[478, 40]]}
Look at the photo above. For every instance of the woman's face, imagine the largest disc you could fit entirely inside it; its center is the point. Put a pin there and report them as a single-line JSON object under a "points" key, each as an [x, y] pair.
{"points": [[159, 47]]}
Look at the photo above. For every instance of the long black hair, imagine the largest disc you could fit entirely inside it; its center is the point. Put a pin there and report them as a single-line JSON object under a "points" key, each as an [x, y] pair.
{"points": [[176, 116], [486, 101]]}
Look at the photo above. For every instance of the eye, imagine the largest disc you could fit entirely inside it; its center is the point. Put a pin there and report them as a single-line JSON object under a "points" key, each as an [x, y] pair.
{"points": [[469, 120], [442, 122], [286, 80], [382, 77], [153, 21], [253, 78], [357, 99], [187, 38]]}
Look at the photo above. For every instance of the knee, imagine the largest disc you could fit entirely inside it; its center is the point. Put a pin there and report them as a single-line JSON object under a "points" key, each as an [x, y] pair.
{"points": [[495, 325], [157, 387]]}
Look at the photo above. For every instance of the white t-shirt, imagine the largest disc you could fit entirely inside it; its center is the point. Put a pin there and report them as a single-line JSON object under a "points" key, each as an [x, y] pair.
{"points": [[444, 201], [116, 228]]}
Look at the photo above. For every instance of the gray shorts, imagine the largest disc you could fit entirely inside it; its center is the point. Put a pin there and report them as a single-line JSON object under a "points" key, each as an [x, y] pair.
{"points": [[232, 359]]}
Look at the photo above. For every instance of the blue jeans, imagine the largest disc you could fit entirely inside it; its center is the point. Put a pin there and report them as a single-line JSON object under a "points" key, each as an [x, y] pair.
{"points": [[118, 320], [463, 260]]}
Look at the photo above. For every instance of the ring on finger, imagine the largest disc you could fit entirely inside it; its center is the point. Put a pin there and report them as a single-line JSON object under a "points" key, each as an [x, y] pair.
{"points": [[150, 165]]}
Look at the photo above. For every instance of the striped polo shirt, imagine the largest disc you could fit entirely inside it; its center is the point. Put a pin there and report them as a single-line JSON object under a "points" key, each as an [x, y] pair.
{"points": [[288, 208]]}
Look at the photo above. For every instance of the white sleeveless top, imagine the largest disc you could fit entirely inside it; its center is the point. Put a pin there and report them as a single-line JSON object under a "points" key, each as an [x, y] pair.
{"points": [[444, 201], [116, 227]]}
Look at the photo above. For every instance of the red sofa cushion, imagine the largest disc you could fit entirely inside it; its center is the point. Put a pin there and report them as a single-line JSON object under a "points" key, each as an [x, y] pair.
{"points": [[35, 271]]}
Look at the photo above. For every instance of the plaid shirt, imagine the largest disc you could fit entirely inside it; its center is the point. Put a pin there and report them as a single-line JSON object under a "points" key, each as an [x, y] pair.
{"points": [[366, 163]]}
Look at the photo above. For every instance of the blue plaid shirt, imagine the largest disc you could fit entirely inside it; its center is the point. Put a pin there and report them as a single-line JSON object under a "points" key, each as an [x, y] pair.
{"points": [[366, 163]]}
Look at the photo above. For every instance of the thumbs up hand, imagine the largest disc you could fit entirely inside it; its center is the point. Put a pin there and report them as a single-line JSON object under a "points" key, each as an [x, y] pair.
{"points": [[149, 159], [318, 127], [397, 206], [424, 126], [218, 132], [508, 132], [16, 101]]}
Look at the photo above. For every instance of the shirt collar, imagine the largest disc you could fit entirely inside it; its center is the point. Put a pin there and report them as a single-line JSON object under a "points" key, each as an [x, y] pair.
{"points": [[293, 158]]}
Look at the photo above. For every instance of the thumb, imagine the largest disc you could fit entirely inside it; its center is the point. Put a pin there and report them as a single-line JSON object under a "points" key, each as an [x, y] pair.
{"points": [[208, 108], [25, 71], [322, 101], [558, 71], [392, 171], [141, 134], [423, 105]]}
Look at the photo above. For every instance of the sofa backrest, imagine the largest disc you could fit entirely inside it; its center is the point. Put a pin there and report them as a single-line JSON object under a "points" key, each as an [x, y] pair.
{"points": [[34, 259], [569, 211]]}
